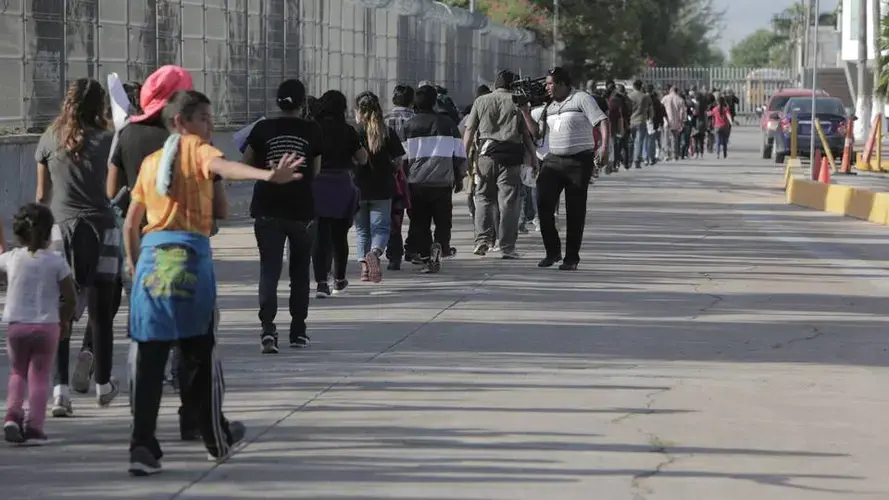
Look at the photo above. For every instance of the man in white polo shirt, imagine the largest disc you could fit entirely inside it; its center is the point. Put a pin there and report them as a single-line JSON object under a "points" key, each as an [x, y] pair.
{"points": [[567, 123]]}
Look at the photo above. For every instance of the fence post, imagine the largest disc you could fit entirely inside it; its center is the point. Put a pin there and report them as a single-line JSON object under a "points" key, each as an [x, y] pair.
{"points": [[129, 76], [264, 16], [26, 121], [286, 16], [63, 54], [157, 34], [204, 47], [181, 35], [247, 116], [97, 36]]}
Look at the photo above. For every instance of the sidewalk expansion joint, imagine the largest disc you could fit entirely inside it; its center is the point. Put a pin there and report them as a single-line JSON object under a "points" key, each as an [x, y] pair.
{"points": [[339, 381], [816, 334]]}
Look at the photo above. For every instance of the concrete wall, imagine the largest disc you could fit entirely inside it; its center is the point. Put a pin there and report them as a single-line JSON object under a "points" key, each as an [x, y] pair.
{"points": [[18, 173]]}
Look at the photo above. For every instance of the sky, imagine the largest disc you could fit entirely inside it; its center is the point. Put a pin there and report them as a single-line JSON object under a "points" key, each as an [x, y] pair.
{"points": [[743, 17]]}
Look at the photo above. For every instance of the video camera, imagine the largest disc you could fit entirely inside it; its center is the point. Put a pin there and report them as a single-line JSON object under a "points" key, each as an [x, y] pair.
{"points": [[529, 90]]}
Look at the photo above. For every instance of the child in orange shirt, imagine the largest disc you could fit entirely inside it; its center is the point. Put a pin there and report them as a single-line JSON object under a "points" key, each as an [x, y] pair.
{"points": [[174, 285]]}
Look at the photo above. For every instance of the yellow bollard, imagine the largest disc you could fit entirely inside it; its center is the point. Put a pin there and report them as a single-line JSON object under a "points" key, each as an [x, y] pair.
{"points": [[824, 144], [793, 135]]}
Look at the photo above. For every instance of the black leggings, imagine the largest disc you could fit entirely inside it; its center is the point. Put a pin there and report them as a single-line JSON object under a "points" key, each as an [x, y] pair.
{"points": [[331, 251], [100, 300], [103, 296]]}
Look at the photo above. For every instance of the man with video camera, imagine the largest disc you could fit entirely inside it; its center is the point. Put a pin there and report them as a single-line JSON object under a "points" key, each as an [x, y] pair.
{"points": [[568, 123], [505, 129]]}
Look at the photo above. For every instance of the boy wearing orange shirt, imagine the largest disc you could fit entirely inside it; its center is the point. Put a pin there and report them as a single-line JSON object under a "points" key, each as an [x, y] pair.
{"points": [[174, 285]]}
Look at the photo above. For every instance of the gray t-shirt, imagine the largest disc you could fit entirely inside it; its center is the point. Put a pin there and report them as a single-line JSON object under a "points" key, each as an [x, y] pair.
{"points": [[78, 185]]}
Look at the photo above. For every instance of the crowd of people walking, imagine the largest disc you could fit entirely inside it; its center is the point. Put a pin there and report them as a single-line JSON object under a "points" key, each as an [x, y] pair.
{"points": [[131, 208]]}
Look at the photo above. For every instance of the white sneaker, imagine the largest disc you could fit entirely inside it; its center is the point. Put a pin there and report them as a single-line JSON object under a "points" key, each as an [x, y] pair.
{"points": [[61, 407]]}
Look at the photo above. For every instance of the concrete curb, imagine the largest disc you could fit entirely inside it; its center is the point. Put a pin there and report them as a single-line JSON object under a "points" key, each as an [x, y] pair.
{"points": [[849, 201]]}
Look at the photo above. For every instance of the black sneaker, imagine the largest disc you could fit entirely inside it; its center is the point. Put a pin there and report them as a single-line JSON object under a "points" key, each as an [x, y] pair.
{"points": [[322, 291], [237, 431], [339, 286], [394, 265], [548, 261], [143, 463], [300, 341], [269, 343], [568, 266]]}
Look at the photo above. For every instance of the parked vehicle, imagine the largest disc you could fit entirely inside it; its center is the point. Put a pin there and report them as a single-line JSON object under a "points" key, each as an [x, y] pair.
{"points": [[830, 113], [772, 114]]}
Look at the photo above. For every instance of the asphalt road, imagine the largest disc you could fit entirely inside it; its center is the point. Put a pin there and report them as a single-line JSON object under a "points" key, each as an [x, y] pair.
{"points": [[715, 344]]}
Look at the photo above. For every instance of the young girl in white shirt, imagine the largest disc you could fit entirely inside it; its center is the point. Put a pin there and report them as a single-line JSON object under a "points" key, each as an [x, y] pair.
{"points": [[37, 319]]}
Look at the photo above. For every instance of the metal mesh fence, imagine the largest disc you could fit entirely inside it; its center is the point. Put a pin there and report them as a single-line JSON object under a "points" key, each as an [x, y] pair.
{"points": [[753, 86], [239, 50]]}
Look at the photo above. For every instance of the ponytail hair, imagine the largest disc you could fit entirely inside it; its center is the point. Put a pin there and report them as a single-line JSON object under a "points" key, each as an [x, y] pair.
{"points": [[370, 116], [85, 106]]}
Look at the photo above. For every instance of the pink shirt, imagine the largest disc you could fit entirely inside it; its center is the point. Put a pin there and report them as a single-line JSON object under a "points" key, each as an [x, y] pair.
{"points": [[720, 117]]}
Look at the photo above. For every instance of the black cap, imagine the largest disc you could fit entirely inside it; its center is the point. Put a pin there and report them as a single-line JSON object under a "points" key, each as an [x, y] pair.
{"points": [[291, 95]]}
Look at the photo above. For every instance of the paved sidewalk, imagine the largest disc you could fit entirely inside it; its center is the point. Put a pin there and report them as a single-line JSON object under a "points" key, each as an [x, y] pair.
{"points": [[715, 344]]}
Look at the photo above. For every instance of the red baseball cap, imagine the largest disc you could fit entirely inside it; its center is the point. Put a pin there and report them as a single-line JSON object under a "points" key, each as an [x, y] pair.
{"points": [[158, 88]]}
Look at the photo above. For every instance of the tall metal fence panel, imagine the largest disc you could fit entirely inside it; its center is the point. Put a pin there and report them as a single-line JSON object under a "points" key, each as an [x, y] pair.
{"points": [[240, 50], [753, 86]]}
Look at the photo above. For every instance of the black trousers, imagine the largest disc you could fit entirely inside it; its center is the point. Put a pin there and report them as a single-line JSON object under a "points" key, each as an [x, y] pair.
{"points": [[331, 252], [271, 236], [87, 344], [572, 175], [101, 296], [202, 391], [430, 205], [395, 247]]}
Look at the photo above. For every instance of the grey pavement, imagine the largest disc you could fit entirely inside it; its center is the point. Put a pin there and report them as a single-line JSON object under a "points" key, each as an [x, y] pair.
{"points": [[715, 344]]}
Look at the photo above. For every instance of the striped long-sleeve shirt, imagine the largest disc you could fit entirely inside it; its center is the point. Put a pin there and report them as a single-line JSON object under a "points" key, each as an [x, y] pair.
{"points": [[435, 153], [396, 119]]}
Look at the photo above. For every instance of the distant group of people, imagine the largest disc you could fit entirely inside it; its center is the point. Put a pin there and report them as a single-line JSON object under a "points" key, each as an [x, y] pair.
{"points": [[673, 124]]}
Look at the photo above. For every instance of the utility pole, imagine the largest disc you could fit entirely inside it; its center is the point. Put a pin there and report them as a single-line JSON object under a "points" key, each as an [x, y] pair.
{"points": [[471, 5], [876, 20], [863, 106], [555, 33], [804, 52], [814, 118]]}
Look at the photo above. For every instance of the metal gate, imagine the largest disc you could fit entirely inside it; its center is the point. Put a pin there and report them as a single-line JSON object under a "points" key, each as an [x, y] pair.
{"points": [[753, 86]]}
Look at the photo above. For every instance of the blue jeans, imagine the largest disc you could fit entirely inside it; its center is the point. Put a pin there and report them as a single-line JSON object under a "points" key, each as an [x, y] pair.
{"points": [[640, 142], [372, 226], [529, 204]]}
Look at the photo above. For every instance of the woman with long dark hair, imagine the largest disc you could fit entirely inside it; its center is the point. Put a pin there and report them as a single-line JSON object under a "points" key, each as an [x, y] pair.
{"points": [[376, 184], [336, 198], [72, 164]]}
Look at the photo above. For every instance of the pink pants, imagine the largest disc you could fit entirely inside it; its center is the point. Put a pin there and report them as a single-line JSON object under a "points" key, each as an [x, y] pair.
{"points": [[31, 349]]}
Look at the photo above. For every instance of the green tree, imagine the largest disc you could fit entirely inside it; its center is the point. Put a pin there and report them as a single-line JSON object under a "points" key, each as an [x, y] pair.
{"points": [[614, 38], [755, 51], [680, 32]]}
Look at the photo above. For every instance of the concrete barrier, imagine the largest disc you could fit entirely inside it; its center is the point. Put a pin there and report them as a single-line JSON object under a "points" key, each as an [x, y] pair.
{"points": [[857, 202], [18, 173]]}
